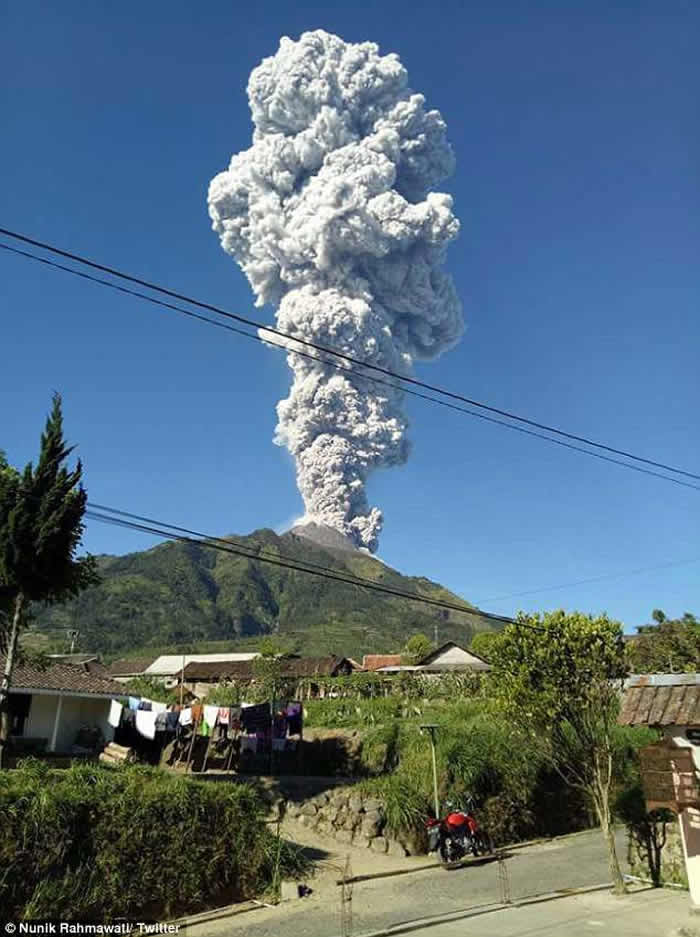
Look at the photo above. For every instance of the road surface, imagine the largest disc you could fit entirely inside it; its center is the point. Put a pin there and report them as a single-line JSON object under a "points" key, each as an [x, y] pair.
{"points": [[571, 862]]}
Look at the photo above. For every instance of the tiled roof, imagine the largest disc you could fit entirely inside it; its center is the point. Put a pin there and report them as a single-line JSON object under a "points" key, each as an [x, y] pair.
{"points": [[62, 677], [673, 701], [169, 665], [375, 661], [126, 668], [245, 670]]}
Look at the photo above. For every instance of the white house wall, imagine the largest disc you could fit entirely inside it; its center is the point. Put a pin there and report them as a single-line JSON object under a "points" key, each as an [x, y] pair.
{"points": [[689, 819], [456, 656], [677, 733], [76, 713]]}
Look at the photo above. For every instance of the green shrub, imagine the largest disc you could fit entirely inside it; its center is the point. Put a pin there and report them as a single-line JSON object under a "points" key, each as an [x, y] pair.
{"points": [[405, 808], [517, 792], [152, 688], [95, 842]]}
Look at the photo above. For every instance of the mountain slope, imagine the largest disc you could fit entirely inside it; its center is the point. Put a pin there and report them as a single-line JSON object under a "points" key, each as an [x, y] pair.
{"points": [[181, 593]]}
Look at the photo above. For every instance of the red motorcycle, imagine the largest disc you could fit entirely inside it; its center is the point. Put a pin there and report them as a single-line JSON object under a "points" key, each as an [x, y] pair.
{"points": [[457, 835]]}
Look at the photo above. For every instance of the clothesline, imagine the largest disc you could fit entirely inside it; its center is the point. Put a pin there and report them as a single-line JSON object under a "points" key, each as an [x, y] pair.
{"points": [[258, 720]]}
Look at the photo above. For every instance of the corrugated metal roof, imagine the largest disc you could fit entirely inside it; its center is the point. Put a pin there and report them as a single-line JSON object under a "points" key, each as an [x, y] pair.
{"points": [[675, 701]]}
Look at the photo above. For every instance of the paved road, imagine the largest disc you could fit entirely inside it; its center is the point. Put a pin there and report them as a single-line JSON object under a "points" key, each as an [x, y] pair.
{"points": [[573, 862], [648, 913]]}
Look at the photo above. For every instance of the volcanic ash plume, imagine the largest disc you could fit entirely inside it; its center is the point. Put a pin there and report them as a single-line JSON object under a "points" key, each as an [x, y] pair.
{"points": [[330, 215]]}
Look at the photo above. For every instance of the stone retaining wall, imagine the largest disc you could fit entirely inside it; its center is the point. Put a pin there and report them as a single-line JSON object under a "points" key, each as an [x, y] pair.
{"points": [[672, 859], [352, 818]]}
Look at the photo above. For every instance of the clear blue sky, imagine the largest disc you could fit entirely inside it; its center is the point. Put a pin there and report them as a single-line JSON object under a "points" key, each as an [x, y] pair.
{"points": [[576, 132]]}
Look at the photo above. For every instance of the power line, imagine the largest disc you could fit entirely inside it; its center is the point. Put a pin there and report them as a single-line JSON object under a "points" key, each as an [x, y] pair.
{"points": [[345, 368], [252, 552], [583, 582], [128, 519], [170, 532], [341, 355]]}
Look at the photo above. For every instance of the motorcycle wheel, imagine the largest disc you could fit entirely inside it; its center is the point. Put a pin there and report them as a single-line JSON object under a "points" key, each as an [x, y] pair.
{"points": [[446, 861], [484, 846]]}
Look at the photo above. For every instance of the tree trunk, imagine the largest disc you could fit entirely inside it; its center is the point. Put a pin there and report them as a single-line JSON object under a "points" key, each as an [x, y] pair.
{"points": [[601, 799], [7, 677]]}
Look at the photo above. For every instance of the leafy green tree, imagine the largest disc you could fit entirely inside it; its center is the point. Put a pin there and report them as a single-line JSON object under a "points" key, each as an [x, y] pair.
{"points": [[417, 647], [268, 647], [484, 643], [560, 676], [151, 688], [41, 526], [672, 645]]}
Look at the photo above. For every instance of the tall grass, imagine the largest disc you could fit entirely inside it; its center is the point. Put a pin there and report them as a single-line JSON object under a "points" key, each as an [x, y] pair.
{"points": [[479, 752], [95, 842]]}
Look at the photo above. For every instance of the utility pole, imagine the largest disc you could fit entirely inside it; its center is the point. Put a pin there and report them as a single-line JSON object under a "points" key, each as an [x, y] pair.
{"points": [[432, 728]]}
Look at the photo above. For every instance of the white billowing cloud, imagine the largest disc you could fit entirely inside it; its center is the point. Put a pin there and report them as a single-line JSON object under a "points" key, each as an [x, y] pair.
{"points": [[331, 215]]}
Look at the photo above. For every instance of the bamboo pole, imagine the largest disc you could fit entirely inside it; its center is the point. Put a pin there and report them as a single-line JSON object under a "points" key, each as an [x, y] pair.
{"points": [[189, 753], [206, 754]]}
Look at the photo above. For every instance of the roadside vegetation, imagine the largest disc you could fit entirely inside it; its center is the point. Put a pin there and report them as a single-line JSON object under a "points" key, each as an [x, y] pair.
{"points": [[536, 741], [95, 843]]}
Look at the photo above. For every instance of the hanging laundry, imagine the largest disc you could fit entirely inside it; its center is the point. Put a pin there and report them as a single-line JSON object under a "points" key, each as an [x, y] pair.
{"points": [[115, 713], [146, 705], [128, 718], [224, 714], [186, 716], [256, 718], [279, 726], [204, 728], [134, 702], [159, 707], [146, 723], [161, 720], [294, 718], [171, 721], [211, 714], [197, 710], [249, 743], [278, 745]]}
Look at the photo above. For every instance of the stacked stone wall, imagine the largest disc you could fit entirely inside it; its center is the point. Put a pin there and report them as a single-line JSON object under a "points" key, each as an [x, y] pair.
{"points": [[351, 817]]}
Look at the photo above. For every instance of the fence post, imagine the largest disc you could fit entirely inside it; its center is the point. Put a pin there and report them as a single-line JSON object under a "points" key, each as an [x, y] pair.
{"points": [[346, 900], [504, 879]]}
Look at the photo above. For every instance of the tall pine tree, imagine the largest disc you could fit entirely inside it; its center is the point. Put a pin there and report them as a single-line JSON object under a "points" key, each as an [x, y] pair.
{"points": [[41, 526]]}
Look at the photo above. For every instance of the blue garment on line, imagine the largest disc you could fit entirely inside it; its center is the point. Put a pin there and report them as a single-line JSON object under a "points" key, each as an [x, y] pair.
{"points": [[134, 702]]}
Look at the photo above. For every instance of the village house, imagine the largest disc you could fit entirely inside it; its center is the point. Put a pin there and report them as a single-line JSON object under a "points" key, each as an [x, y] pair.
{"points": [[168, 668], [373, 662], [448, 658], [61, 707], [671, 702], [200, 676]]}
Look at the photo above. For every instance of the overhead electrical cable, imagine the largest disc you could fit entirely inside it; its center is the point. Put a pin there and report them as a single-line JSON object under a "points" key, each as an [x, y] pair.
{"points": [[271, 330], [584, 582], [341, 367], [170, 533], [255, 552]]}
